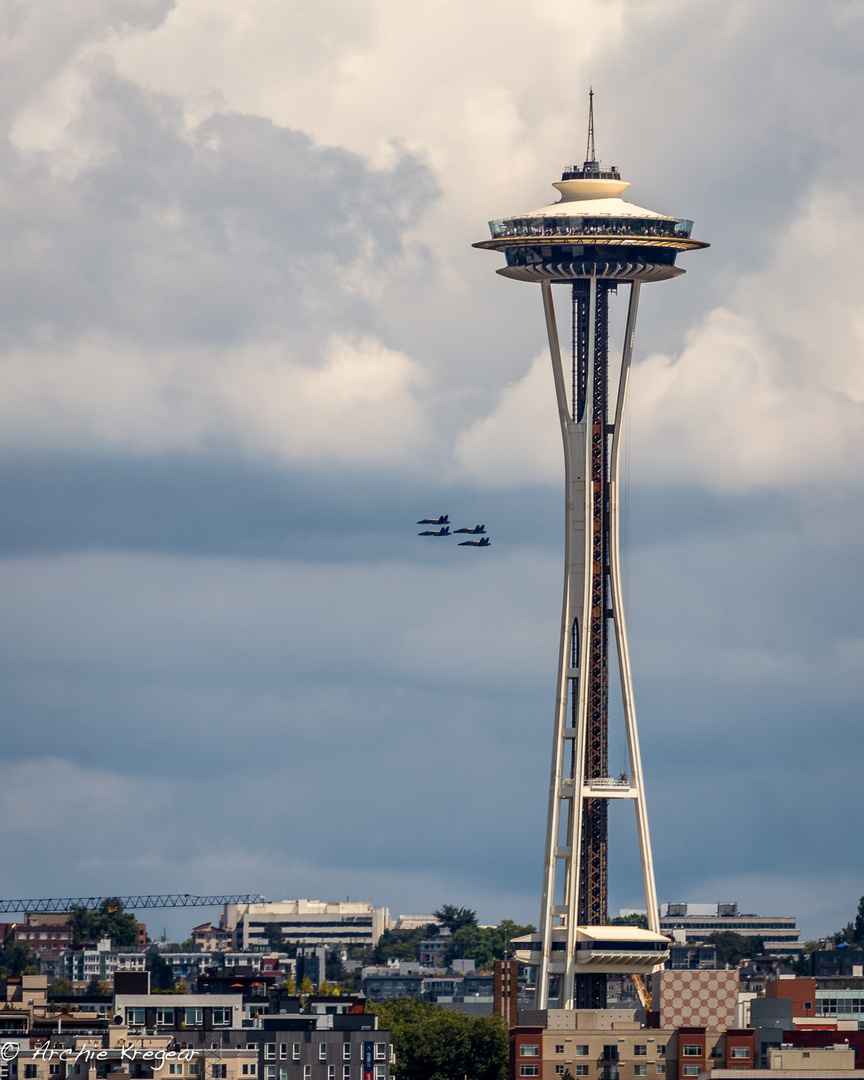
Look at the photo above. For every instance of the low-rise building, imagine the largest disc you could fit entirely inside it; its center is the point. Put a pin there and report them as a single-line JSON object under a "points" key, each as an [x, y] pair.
{"points": [[306, 922], [694, 922]]}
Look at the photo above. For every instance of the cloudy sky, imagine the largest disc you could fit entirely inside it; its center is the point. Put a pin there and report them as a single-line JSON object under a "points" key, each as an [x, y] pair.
{"points": [[245, 344]]}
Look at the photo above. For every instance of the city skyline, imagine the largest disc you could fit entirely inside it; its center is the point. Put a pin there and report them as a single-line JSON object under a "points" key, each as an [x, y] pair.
{"points": [[224, 230]]}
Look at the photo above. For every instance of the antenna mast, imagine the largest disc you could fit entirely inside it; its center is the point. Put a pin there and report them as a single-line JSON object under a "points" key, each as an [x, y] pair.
{"points": [[590, 154]]}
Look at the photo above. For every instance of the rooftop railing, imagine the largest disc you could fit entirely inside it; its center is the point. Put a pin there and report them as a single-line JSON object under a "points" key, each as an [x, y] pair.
{"points": [[566, 225]]}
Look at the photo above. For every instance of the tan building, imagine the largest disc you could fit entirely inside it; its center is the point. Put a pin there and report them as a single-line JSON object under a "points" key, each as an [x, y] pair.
{"points": [[306, 922], [603, 1043]]}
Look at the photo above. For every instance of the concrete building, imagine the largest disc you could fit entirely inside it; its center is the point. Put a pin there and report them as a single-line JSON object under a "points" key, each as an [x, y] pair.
{"points": [[694, 922], [306, 922], [212, 938]]}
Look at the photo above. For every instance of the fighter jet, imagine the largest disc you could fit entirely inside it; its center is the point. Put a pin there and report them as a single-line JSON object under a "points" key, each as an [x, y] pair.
{"points": [[443, 520], [484, 542], [443, 531], [474, 532]]}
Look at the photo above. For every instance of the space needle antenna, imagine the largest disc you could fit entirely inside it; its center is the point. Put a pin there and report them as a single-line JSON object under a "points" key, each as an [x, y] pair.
{"points": [[589, 151]]}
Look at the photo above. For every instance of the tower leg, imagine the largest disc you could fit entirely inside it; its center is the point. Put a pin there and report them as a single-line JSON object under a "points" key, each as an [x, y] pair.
{"points": [[575, 871]]}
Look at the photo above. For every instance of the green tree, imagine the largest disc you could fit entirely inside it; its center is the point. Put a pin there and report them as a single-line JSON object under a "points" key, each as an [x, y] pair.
{"points": [[15, 959], [333, 969], [108, 920], [161, 975], [635, 918], [732, 947], [858, 930], [60, 988], [432, 1043], [454, 918], [401, 944], [275, 937], [483, 944], [306, 986]]}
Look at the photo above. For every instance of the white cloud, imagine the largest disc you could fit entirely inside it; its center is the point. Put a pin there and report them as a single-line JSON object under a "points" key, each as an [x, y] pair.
{"points": [[358, 405], [520, 441], [768, 391]]}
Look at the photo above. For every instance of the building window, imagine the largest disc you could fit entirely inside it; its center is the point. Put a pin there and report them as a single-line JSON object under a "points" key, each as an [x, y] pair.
{"points": [[529, 1070], [165, 1017], [270, 1071], [283, 1051], [219, 1072], [380, 1072], [559, 1048], [177, 1070], [346, 1051], [640, 1050], [531, 1050], [221, 1017], [740, 1052], [269, 1051], [307, 1072], [134, 1016], [640, 1070], [346, 1072], [194, 1016], [559, 1069], [53, 1070], [808, 1005], [580, 1050], [295, 1051], [283, 1074], [661, 1048], [331, 1072], [193, 1069], [581, 1070], [691, 1070], [690, 1050], [380, 1051], [322, 1051], [661, 1070]]}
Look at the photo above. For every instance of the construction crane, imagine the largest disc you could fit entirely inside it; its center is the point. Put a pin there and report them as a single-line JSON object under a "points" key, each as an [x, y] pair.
{"points": [[131, 903], [641, 991]]}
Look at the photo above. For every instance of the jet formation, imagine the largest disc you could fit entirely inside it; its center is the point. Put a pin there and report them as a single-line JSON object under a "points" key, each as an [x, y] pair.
{"points": [[444, 522]]}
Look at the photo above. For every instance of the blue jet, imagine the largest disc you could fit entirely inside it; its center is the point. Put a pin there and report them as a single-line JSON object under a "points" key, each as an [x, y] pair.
{"points": [[443, 520], [484, 542], [476, 531], [443, 531]]}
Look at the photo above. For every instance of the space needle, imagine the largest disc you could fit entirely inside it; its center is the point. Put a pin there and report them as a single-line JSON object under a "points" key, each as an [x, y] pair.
{"points": [[591, 240]]}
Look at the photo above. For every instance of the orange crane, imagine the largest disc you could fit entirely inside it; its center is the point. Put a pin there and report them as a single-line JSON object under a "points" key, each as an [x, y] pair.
{"points": [[641, 991]]}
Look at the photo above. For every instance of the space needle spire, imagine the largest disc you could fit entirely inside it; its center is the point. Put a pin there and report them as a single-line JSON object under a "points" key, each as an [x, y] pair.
{"points": [[590, 153], [591, 240]]}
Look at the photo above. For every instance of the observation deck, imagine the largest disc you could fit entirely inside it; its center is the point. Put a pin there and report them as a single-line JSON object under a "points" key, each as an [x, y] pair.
{"points": [[591, 232], [606, 950]]}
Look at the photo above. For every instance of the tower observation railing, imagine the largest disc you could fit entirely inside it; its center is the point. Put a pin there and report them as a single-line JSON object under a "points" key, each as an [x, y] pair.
{"points": [[565, 225]]}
